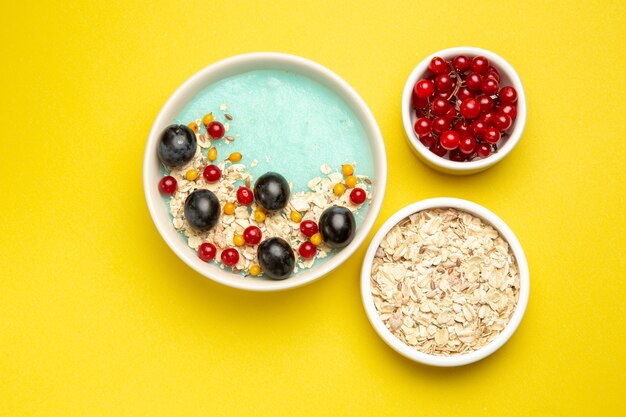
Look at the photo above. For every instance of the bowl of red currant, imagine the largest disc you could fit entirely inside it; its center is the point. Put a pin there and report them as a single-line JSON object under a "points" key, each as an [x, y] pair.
{"points": [[463, 110]]}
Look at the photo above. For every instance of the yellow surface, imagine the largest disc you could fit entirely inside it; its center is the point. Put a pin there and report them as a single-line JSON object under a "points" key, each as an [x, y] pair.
{"points": [[99, 318]]}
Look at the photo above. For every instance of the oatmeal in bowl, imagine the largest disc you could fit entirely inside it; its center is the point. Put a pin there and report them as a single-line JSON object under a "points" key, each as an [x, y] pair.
{"points": [[445, 282]]}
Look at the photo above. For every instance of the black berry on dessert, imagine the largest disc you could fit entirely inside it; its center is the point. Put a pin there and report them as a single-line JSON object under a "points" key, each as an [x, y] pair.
{"points": [[177, 145]]}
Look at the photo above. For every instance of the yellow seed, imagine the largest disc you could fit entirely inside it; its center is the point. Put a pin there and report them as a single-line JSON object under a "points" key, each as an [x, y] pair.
{"points": [[296, 217], [193, 126], [192, 174], [339, 189], [238, 240], [212, 154], [351, 181], [255, 270], [316, 239], [229, 208], [347, 169], [259, 216], [207, 119], [234, 157]]}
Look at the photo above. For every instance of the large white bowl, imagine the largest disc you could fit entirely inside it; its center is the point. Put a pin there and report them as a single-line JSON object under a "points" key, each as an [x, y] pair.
{"points": [[508, 76], [236, 65], [397, 344]]}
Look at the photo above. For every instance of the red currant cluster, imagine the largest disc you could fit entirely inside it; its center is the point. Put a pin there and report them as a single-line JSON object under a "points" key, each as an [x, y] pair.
{"points": [[461, 108]]}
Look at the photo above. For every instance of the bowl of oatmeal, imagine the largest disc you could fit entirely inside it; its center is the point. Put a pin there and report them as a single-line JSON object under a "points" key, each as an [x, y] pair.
{"points": [[264, 171], [445, 282]]}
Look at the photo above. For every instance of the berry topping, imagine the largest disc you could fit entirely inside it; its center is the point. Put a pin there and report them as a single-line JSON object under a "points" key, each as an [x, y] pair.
{"points": [[307, 250], [252, 235], [337, 226], [207, 252], [177, 145], [202, 210], [357, 196], [230, 257], [245, 196], [215, 130], [212, 173], [271, 192], [308, 228], [276, 258], [168, 185]]}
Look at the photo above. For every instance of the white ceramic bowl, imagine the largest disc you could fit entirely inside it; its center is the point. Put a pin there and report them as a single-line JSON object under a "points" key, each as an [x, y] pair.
{"points": [[508, 76], [236, 65], [397, 344]]}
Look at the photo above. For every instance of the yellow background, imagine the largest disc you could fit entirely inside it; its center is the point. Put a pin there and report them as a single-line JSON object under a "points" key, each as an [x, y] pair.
{"points": [[99, 318]]}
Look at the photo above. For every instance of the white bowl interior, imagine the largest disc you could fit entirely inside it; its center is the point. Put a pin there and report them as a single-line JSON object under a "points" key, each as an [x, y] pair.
{"points": [[508, 76], [397, 344], [237, 65]]}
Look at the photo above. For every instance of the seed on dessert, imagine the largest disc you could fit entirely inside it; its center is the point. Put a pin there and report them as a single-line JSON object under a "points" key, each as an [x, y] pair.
{"points": [[252, 235], [230, 257], [438, 66], [316, 239], [307, 250], [207, 252], [215, 130], [339, 189], [276, 258], [422, 127], [337, 225], [508, 95], [234, 157], [480, 65], [207, 119], [271, 191], [308, 228], [212, 154], [357, 196], [254, 270], [168, 185], [245, 196], [296, 217], [351, 181], [177, 145], [202, 210], [492, 135], [347, 169], [423, 88], [193, 126], [259, 216], [470, 108], [449, 140], [191, 174], [228, 117], [212, 173], [238, 240], [229, 208]]}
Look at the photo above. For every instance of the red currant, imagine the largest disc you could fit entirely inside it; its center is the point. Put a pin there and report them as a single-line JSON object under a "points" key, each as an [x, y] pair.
{"points": [[493, 70], [462, 128], [419, 103], [439, 106], [502, 121], [438, 66], [449, 140], [457, 156], [464, 93], [440, 125], [461, 63], [478, 128], [486, 103], [438, 150], [480, 65], [424, 88], [168, 185], [207, 252], [470, 108], [212, 173], [428, 140], [230, 257], [245, 196], [467, 145], [492, 135], [308, 228], [450, 114], [474, 81], [215, 130], [509, 109], [357, 196], [252, 235], [443, 83], [483, 150], [423, 126], [508, 95], [307, 250], [487, 118], [490, 86]]}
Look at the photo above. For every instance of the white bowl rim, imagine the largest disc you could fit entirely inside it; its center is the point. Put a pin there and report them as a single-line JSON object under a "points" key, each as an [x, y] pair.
{"points": [[397, 344], [328, 78], [519, 122]]}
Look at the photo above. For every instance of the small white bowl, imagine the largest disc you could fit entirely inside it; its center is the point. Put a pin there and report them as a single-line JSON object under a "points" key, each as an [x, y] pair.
{"points": [[508, 76], [397, 344], [237, 65]]}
